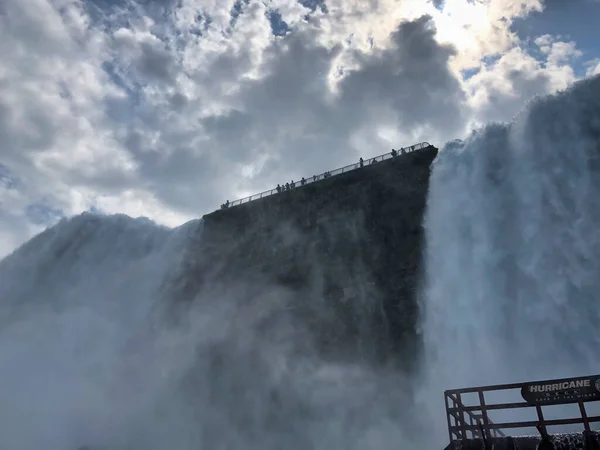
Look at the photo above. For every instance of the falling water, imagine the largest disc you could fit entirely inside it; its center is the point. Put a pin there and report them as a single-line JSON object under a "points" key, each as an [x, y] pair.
{"points": [[513, 249], [87, 357]]}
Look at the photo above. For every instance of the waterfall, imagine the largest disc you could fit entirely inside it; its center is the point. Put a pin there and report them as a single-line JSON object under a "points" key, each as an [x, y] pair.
{"points": [[512, 286]]}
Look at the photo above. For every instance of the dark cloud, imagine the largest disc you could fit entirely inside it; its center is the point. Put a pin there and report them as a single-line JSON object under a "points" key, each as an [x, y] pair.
{"points": [[291, 124], [412, 78], [156, 62], [178, 101], [439, 4]]}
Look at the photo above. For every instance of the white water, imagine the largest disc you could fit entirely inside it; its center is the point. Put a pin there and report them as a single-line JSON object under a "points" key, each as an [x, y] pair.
{"points": [[86, 358], [513, 250], [76, 302]]}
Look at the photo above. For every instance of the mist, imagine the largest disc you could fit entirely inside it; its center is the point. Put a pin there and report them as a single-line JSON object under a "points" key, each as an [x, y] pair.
{"points": [[97, 350], [513, 249]]}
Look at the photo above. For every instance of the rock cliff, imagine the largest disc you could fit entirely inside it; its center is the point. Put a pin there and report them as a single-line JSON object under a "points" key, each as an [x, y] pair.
{"points": [[346, 250]]}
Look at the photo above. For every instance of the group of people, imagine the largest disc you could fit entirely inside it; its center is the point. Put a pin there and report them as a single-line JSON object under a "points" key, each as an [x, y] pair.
{"points": [[291, 185], [402, 151], [361, 162]]}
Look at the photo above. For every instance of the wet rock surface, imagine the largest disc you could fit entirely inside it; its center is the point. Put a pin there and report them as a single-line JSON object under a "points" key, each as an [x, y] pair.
{"points": [[346, 250]]}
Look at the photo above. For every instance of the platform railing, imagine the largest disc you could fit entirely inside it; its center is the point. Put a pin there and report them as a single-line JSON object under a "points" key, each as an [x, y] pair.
{"points": [[468, 420], [330, 173]]}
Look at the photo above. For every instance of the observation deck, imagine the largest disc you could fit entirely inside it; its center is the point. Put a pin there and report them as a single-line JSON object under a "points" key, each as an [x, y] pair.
{"points": [[332, 173], [551, 415]]}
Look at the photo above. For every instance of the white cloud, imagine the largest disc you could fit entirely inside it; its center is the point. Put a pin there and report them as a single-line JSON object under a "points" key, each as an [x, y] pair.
{"points": [[482, 28], [168, 108], [499, 89], [593, 67], [56, 137], [558, 52]]}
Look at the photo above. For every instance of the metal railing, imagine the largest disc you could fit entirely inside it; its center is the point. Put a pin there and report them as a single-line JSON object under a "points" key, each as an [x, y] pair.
{"points": [[327, 174], [472, 421]]}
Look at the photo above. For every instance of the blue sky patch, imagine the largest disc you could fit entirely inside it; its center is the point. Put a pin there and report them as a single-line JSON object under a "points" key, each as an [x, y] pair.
{"points": [[314, 4], [236, 10], [572, 20], [278, 26]]}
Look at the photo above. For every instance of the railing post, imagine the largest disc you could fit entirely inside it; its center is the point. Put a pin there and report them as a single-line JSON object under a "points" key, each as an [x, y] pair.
{"points": [[484, 414], [542, 424], [483, 436], [473, 432], [457, 420], [586, 423], [446, 398], [463, 432], [457, 433]]}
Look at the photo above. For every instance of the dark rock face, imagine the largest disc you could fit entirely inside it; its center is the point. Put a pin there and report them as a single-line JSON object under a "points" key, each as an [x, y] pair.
{"points": [[346, 250]]}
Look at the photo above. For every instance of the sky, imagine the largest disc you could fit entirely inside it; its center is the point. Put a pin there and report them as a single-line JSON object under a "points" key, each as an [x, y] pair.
{"points": [[167, 108]]}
